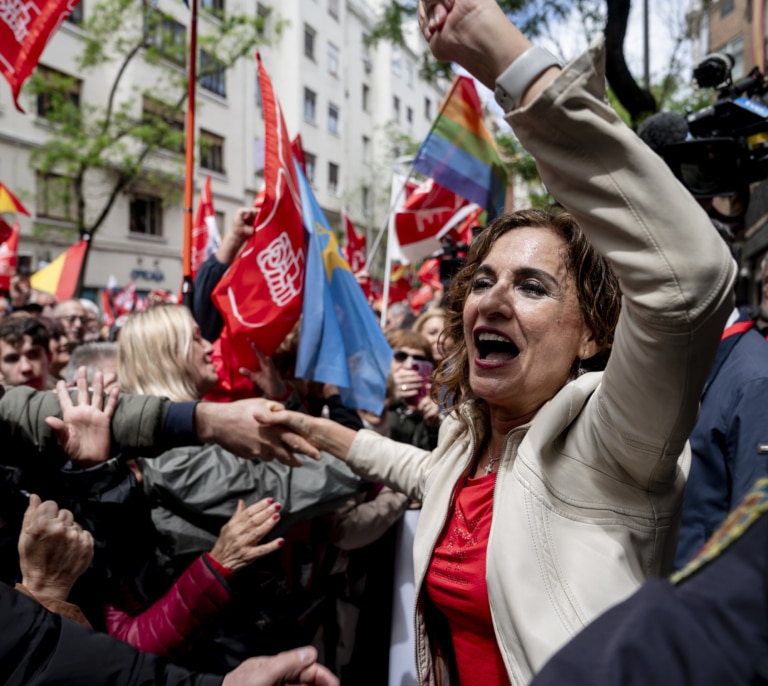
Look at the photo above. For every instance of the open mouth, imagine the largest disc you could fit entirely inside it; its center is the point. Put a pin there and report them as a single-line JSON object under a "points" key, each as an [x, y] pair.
{"points": [[494, 347]]}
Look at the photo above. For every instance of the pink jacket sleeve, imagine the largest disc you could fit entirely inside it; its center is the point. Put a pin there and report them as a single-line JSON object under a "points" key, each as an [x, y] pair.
{"points": [[198, 596]]}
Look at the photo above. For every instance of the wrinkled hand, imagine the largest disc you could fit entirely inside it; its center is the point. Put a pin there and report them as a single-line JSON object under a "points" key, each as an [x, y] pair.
{"points": [[294, 667], [238, 542], [322, 433], [473, 33], [406, 383], [266, 377], [54, 550], [236, 427], [83, 431]]}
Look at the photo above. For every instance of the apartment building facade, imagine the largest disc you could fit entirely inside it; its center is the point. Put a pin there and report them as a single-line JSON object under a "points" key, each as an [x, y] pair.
{"points": [[351, 104]]}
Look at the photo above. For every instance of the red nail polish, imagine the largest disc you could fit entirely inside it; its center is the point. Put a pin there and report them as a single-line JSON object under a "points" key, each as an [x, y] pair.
{"points": [[276, 516], [270, 500], [278, 507]]}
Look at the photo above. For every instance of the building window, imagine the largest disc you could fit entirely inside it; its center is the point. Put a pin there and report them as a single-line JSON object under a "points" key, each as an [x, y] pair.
{"points": [[367, 59], [735, 48], [76, 15], [333, 178], [213, 74], [333, 59], [215, 7], [333, 119], [310, 162], [409, 73], [366, 200], [333, 8], [409, 118], [56, 197], [146, 215], [166, 35], [309, 41], [262, 13], [427, 109], [397, 61], [396, 109], [310, 106], [366, 97], [166, 121], [726, 7], [366, 149], [211, 151], [57, 93]]}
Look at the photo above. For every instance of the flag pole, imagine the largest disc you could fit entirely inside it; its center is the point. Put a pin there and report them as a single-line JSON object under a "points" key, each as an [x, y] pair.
{"points": [[189, 166]]}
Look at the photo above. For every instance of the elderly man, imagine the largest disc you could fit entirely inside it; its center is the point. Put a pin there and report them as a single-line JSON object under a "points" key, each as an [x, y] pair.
{"points": [[75, 320]]}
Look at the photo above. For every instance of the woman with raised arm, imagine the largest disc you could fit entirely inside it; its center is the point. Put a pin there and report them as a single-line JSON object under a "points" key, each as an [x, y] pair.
{"points": [[554, 490]]}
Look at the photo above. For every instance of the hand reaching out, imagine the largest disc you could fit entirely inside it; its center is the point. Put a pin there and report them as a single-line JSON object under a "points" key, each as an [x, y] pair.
{"points": [[238, 542], [266, 377], [83, 431], [54, 550]]}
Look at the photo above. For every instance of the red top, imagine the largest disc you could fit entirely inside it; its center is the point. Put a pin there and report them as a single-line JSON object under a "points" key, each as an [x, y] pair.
{"points": [[456, 583]]}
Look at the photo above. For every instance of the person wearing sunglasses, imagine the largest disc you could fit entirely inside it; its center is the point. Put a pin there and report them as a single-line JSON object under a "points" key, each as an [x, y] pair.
{"points": [[413, 416]]}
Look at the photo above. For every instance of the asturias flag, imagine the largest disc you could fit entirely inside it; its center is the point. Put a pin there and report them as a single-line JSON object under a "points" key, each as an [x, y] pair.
{"points": [[341, 342], [460, 154], [60, 276], [260, 295]]}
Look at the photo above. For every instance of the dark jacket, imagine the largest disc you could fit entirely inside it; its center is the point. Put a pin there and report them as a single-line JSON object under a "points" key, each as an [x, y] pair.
{"points": [[730, 440], [710, 629], [38, 648]]}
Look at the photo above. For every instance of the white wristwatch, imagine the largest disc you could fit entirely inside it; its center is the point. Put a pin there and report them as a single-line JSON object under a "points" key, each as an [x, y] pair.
{"points": [[516, 78]]}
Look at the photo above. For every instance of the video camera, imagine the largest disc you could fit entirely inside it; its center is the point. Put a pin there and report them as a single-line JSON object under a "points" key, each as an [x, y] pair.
{"points": [[727, 148]]}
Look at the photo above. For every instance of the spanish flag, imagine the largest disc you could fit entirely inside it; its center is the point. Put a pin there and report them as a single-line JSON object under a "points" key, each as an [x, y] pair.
{"points": [[9, 202], [60, 276]]}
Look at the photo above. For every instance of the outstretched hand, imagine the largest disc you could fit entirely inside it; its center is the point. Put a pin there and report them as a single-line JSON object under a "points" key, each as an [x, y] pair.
{"points": [[238, 427], [238, 542], [266, 377], [83, 431], [294, 667]]}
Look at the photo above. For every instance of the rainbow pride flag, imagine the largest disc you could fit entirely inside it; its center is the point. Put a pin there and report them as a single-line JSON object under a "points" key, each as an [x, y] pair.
{"points": [[460, 154]]}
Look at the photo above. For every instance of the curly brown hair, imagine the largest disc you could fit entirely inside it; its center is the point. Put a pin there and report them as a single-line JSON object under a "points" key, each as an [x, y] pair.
{"points": [[598, 293]]}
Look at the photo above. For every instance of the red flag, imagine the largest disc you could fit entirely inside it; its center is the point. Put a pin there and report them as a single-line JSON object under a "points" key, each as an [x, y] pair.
{"points": [[354, 250], [260, 296], [420, 296], [5, 230], [464, 232], [429, 273], [400, 283], [8, 258], [124, 301], [205, 233], [298, 153], [107, 315], [24, 30], [419, 222]]}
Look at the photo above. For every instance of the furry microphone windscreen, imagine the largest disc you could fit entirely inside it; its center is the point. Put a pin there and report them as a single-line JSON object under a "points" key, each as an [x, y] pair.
{"points": [[663, 129]]}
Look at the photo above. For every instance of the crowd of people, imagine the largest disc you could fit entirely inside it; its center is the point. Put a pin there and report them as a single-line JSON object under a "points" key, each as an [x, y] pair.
{"points": [[574, 422]]}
